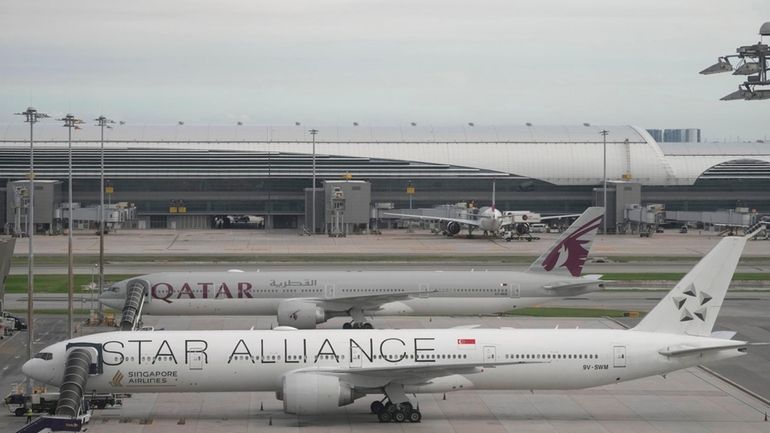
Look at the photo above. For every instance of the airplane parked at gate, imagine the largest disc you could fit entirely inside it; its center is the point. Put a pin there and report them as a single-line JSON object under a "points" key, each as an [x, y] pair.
{"points": [[314, 372], [302, 299]]}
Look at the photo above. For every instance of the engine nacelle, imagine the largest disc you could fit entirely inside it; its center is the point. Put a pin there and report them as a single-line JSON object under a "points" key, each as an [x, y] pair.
{"points": [[314, 394], [452, 228], [300, 314]]}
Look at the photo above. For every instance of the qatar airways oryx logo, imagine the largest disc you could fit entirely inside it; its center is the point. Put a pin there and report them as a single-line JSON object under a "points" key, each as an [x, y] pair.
{"points": [[570, 252]]}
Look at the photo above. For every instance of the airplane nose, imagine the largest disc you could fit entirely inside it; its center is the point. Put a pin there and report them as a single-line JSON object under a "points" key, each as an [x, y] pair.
{"points": [[31, 369]]}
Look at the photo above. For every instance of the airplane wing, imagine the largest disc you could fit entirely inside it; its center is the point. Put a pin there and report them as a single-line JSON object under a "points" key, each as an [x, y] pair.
{"points": [[381, 375], [469, 222], [555, 217], [367, 301]]}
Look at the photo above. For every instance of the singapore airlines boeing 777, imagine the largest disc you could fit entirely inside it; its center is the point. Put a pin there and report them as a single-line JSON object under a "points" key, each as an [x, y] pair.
{"points": [[316, 371]]}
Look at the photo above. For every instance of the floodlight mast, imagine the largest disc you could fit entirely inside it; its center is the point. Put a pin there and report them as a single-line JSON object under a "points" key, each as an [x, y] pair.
{"points": [[31, 116], [752, 61], [70, 122], [102, 122]]}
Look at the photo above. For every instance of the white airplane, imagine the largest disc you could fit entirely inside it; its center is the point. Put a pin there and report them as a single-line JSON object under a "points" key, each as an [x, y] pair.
{"points": [[316, 371], [302, 299], [486, 218]]}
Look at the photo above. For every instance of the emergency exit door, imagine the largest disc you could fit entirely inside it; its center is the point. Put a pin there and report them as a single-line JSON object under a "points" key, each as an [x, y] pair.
{"points": [[620, 356], [489, 354], [329, 291]]}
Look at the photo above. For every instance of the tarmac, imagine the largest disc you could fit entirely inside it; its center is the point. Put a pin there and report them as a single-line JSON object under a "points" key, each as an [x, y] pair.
{"points": [[691, 400], [393, 243]]}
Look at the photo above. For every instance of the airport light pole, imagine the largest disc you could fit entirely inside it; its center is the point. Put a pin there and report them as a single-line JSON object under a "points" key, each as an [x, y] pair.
{"points": [[102, 122], [32, 116], [313, 132], [604, 133], [70, 122]]}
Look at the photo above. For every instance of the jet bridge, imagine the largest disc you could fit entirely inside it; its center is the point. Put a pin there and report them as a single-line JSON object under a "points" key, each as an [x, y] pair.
{"points": [[136, 293]]}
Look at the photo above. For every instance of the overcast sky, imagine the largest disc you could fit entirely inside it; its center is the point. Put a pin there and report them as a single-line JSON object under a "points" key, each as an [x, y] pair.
{"points": [[333, 62]]}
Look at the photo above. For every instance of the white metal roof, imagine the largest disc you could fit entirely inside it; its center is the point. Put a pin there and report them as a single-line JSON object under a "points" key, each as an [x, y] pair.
{"points": [[562, 155]]}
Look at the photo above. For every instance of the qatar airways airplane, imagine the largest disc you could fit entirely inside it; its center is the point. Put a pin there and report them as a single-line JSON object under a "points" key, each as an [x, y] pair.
{"points": [[302, 299], [316, 371]]}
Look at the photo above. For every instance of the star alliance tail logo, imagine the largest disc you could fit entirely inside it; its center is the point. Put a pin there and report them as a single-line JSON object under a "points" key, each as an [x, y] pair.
{"points": [[117, 379], [692, 304], [570, 252]]}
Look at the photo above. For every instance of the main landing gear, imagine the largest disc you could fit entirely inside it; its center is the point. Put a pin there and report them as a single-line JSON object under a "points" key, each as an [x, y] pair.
{"points": [[357, 325], [359, 320], [389, 412]]}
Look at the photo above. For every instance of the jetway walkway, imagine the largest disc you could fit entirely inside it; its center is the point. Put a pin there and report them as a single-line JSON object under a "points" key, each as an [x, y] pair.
{"points": [[132, 310]]}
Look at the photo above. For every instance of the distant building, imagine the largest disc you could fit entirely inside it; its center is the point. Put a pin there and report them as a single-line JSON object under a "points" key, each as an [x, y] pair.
{"points": [[690, 135], [264, 172], [657, 134]]}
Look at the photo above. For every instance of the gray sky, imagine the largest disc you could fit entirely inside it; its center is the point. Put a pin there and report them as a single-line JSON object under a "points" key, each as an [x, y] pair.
{"points": [[327, 62]]}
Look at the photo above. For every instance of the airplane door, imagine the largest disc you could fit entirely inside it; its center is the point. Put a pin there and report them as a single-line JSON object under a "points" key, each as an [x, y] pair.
{"points": [[620, 356], [514, 290], [196, 355], [424, 288], [489, 354], [355, 357], [329, 291]]}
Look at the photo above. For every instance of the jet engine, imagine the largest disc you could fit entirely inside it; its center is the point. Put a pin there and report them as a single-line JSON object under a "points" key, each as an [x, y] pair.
{"points": [[300, 314], [451, 228], [314, 394]]}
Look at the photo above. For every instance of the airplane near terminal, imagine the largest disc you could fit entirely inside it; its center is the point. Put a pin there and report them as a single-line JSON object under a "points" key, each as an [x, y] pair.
{"points": [[302, 299], [317, 371], [487, 218]]}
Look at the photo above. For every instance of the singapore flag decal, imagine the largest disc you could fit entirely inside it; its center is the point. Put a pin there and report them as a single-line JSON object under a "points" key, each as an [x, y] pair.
{"points": [[466, 343]]}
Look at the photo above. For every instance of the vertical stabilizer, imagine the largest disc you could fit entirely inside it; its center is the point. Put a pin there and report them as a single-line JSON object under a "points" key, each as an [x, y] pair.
{"points": [[691, 307], [568, 254]]}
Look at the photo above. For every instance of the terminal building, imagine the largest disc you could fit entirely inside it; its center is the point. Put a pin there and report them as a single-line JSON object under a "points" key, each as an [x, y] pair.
{"points": [[188, 176]]}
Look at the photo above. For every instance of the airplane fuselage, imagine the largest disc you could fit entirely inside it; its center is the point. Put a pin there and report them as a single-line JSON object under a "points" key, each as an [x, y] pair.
{"points": [[220, 361], [260, 293]]}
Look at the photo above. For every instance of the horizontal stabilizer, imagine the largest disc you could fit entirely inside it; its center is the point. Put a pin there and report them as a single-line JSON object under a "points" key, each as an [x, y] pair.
{"points": [[724, 335], [684, 350]]}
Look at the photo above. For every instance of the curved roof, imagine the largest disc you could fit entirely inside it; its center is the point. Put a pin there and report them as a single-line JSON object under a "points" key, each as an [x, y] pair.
{"points": [[561, 155]]}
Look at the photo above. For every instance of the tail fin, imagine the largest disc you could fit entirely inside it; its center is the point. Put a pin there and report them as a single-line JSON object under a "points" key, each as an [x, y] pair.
{"points": [[568, 254], [692, 306]]}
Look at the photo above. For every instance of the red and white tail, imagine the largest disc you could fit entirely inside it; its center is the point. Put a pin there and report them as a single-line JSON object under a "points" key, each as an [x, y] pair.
{"points": [[569, 253]]}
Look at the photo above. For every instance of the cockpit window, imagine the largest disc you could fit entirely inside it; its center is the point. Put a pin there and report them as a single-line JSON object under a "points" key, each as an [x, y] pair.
{"points": [[46, 356]]}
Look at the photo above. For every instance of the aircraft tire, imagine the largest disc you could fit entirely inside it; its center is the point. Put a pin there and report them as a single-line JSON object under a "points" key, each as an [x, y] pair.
{"points": [[377, 406], [347, 325], [384, 416], [367, 325], [415, 416], [399, 416]]}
